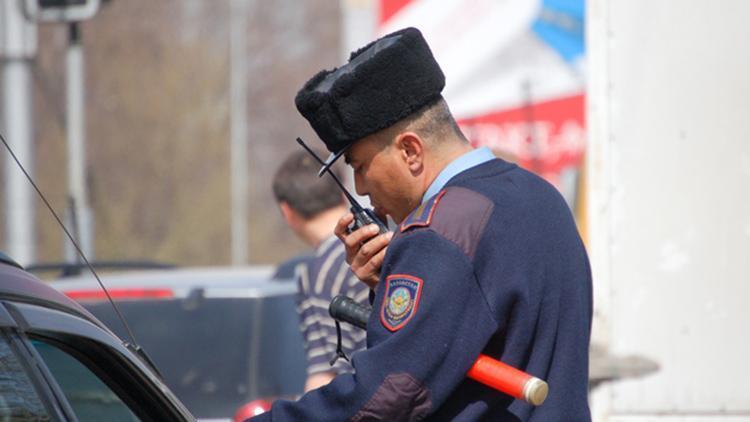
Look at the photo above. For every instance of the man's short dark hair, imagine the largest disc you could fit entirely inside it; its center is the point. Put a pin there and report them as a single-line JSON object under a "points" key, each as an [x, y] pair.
{"points": [[296, 182], [434, 121]]}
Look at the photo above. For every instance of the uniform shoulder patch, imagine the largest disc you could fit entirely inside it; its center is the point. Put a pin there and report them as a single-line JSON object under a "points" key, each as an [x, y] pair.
{"points": [[422, 216], [462, 218], [402, 294]]}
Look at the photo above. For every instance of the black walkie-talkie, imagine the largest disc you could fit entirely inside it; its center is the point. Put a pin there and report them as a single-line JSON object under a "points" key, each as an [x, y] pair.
{"points": [[362, 216]]}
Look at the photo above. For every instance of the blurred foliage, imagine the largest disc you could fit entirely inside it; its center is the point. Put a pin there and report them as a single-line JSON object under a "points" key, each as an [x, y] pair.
{"points": [[157, 122]]}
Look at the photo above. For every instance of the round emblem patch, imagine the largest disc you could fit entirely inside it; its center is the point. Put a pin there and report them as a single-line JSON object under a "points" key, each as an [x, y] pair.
{"points": [[401, 300]]}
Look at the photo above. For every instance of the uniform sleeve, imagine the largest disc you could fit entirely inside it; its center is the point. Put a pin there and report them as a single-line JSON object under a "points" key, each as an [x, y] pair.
{"points": [[418, 351]]}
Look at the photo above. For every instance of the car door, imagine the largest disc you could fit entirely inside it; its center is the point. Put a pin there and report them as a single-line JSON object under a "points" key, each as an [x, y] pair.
{"points": [[80, 371]]}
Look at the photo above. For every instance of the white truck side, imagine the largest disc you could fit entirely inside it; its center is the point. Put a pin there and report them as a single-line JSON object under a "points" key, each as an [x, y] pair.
{"points": [[668, 171]]}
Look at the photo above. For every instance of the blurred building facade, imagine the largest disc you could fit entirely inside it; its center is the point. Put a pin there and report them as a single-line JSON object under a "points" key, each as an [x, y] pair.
{"points": [[158, 124]]}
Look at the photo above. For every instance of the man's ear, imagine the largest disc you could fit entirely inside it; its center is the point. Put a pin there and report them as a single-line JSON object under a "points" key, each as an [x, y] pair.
{"points": [[290, 216], [412, 149]]}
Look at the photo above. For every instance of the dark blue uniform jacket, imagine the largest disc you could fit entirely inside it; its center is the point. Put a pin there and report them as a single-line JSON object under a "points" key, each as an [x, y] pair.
{"points": [[492, 264]]}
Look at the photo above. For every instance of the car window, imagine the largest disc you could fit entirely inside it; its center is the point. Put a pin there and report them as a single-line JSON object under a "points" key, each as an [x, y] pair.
{"points": [[89, 397], [18, 398]]}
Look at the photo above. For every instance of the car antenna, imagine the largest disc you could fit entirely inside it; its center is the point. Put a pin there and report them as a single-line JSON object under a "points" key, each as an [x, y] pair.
{"points": [[132, 345]]}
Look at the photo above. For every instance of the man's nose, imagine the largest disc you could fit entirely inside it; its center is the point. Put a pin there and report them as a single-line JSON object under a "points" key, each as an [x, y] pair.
{"points": [[359, 186]]}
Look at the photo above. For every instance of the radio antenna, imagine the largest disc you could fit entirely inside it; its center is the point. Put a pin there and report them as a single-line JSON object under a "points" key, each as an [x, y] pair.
{"points": [[362, 216], [332, 174]]}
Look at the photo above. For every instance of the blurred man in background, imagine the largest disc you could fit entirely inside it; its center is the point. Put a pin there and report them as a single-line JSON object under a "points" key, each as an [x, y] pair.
{"points": [[311, 206]]}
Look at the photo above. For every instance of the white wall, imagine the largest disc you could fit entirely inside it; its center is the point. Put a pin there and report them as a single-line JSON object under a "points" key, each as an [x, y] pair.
{"points": [[669, 168]]}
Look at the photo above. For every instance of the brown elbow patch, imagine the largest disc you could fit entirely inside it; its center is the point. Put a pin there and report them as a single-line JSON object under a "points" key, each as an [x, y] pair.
{"points": [[399, 398]]}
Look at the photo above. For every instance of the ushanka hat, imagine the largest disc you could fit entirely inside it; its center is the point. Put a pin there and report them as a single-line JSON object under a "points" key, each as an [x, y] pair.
{"points": [[383, 82]]}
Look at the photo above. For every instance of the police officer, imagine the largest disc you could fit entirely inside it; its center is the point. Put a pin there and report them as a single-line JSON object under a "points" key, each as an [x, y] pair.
{"points": [[486, 258], [311, 206]]}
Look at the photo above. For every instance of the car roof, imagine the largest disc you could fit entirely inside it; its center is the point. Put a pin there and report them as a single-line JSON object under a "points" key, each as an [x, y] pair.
{"points": [[18, 285], [8, 260], [247, 273], [248, 281]]}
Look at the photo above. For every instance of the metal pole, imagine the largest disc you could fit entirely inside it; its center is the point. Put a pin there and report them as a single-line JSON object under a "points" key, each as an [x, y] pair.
{"points": [[76, 134], [239, 158], [359, 22], [17, 46]]}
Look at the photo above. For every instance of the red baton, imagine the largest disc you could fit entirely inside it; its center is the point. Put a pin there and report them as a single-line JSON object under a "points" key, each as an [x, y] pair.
{"points": [[486, 370], [509, 380]]}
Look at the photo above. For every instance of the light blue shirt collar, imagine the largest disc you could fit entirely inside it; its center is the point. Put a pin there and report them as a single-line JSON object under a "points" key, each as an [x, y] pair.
{"points": [[470, 159]]}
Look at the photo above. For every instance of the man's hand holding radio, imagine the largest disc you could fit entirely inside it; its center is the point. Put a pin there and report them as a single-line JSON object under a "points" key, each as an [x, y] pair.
{"points": [[365, 249]]}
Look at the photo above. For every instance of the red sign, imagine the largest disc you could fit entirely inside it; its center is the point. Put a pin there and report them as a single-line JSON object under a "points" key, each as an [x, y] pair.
{"points": [[545, 137]]}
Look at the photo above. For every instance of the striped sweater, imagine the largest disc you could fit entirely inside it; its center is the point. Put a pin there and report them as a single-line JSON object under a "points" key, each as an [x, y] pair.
{"points": [[319, 279]]}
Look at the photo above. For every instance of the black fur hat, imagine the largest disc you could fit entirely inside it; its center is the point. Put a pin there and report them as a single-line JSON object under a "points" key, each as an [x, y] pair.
{"points": [[383, 82]]}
